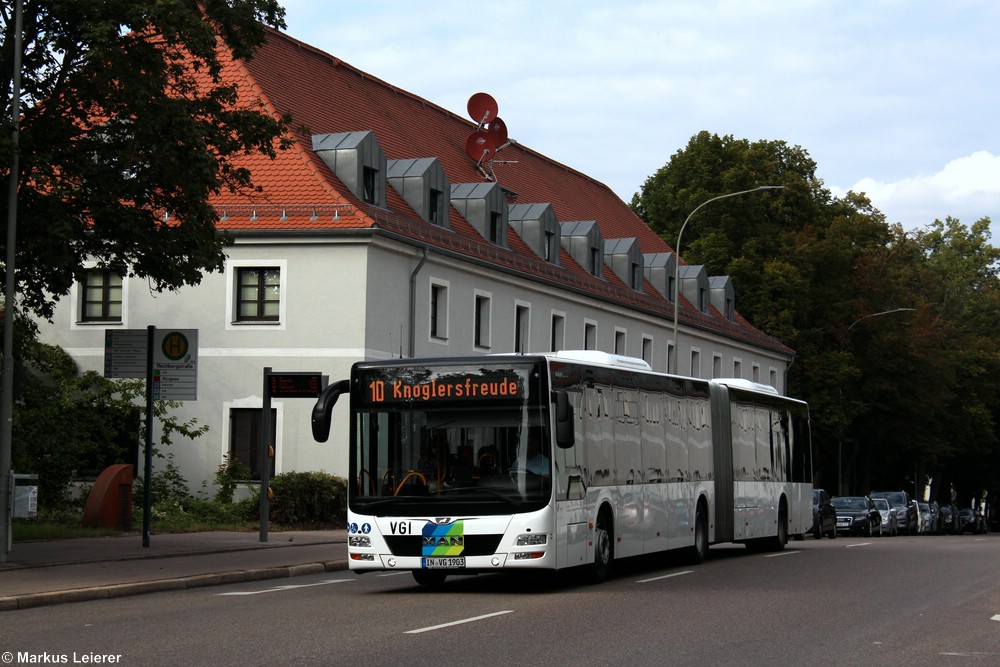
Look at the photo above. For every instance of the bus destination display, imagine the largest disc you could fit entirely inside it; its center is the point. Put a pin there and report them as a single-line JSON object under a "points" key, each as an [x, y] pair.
{"points": [[456, 387]]}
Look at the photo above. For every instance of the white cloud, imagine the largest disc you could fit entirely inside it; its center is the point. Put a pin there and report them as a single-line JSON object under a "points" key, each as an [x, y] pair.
{"points": [[967, 188]]}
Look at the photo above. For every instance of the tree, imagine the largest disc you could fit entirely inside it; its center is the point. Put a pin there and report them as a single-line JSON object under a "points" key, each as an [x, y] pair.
{"points": [[125, 133]]}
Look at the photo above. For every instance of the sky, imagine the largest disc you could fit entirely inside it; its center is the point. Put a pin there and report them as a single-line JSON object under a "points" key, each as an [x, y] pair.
{"points": [[896, 99]]}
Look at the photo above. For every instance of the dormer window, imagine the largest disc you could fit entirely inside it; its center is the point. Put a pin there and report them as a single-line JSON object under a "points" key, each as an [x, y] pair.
{"points": [[495, 221], [595, 261], [357, 160], [368, 190], [435, 207], [421, 182], [548, 247]]}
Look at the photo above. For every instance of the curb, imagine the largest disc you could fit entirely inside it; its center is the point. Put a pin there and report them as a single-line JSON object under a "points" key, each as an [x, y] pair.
{"points": [[109, 591]]}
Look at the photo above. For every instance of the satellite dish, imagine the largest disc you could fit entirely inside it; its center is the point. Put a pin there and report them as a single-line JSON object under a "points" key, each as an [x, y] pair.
{"points": [[480, 145], [498, 130], [482, 108]]}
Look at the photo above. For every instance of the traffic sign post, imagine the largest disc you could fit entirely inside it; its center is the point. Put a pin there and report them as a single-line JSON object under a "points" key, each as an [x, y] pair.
{"points": [[279, 385], [168, 360]]}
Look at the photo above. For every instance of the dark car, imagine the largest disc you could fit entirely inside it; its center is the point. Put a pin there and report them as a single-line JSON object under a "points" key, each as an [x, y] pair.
{"points": [[824, 515], [906, 510], [971, 521], [949, 519], [857, 515]]}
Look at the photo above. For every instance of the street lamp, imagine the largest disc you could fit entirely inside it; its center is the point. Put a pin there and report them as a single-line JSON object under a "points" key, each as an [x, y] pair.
{"points": [[677, 258], [840, 440]]}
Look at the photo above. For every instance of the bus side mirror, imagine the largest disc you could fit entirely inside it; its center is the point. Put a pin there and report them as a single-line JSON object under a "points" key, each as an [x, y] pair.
{"points": [[322, 412], [564, 420]]}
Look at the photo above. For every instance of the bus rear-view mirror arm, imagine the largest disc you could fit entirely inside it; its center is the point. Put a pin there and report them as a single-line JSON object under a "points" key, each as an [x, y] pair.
{"points": [[322, 412]]}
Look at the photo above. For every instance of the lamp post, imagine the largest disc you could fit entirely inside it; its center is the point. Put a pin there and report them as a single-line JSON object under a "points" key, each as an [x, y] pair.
{"points": [[840, 441], [677, 259]]}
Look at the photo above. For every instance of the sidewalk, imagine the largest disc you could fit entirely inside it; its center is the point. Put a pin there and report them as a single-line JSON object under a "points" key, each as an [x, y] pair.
{"points": [[46, 572]]}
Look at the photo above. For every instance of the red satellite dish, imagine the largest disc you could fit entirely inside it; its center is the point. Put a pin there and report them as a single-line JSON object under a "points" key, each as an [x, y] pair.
{"points": [[482, 108], [480, 145], [498, 130]]}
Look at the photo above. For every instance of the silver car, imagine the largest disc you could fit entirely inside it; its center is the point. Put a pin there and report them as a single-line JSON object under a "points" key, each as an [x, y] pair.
{"points": [[889, 523]]}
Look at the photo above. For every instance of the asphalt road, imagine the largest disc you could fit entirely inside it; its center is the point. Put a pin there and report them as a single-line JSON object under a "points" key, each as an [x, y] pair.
{"points": [[927, 600]]}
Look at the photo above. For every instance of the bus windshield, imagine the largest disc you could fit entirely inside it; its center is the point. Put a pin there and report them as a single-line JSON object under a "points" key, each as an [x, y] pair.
{"points": [[452, 438]]}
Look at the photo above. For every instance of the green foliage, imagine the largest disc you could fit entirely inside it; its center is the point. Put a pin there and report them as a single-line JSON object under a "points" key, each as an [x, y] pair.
{"points": [[118, 128], [308, 499], [67, 425], [228, 477]]}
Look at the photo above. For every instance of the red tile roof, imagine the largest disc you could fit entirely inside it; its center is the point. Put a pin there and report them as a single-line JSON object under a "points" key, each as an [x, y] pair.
{"points": [[297, 191]]}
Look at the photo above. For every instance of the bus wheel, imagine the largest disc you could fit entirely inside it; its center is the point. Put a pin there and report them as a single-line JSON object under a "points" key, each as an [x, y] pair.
{"points": [[699, 551], [429, 578], [779, 541], [603, 549]]}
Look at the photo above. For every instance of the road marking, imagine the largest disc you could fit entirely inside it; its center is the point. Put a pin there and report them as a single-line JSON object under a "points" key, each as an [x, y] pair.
{"points": [[996, 617], [782, 553], [287, 587], [859, 544], [464, 620], [665, 576]]}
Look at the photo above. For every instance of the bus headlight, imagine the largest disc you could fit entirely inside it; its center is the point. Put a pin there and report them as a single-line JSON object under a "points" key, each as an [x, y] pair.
{"points": [[531, 539]]}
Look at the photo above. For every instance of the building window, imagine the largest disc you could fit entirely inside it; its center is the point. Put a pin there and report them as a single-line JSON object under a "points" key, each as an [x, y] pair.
{"points": [[521, 314], [695, 363], [481, 326], [439, 311], [102, 297], [244, 438], [619, 341], [636, 277], [435, 213], [737, 368], [549, 249], [558, 334], [670, 355], [755, 373], [369, 191], [258, 295], [589, 336], [672, 289], [595, 262], [647, 350], [716, 366], [496, 220], [703, 300]]}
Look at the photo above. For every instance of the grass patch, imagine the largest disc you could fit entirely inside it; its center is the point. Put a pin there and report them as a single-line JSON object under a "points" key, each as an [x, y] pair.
{"points": [[26, 530]]}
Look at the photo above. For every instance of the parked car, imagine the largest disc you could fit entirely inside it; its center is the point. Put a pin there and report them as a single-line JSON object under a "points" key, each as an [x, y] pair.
{"points": [[824, 515], [888, 515], [857, 515], [906, 509], [971, 521], [936, 528], [924, 518], [949, 519]]}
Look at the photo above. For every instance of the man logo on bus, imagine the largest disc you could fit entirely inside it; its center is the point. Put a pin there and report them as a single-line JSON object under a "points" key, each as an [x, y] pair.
{"points": [[448, 540]]}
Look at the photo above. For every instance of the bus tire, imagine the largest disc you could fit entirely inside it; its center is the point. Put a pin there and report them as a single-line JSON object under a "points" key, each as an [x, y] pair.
{"points": [[429, 578], [604, 552], [779, 541], [698, 552]]}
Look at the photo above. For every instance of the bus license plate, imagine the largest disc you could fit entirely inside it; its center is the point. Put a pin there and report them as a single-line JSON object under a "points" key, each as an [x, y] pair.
{"points": [[443, 563]]}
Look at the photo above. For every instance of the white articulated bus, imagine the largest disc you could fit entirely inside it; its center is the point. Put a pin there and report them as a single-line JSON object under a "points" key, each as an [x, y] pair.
{"points": [[570, 459]]}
